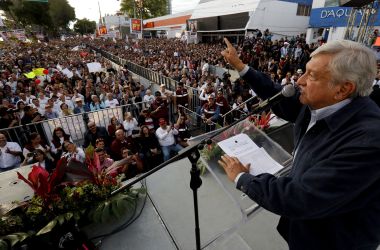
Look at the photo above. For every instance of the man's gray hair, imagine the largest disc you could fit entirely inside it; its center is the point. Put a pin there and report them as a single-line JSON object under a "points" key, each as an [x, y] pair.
{"points": [[351, 62]]}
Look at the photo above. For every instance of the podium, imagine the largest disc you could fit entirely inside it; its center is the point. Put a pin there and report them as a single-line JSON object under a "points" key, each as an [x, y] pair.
{"points": [[222, 208], [228, 218]]}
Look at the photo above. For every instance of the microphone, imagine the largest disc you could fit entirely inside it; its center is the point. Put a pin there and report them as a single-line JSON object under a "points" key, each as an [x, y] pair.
{"points": [[287, 91]]}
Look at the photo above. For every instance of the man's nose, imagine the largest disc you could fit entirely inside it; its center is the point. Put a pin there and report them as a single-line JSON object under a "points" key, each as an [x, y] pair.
{"points": [[301, 80]]}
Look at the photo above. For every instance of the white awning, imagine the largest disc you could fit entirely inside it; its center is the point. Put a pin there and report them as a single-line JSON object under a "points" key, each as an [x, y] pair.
{"points": [[224, 7]]}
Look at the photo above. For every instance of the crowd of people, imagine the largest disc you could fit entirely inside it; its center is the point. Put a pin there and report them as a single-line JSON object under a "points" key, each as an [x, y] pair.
{"points": [[149, 132]]}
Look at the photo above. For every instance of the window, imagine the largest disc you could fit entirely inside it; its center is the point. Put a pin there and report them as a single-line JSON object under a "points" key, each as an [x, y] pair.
{"points": [[303, 10]]}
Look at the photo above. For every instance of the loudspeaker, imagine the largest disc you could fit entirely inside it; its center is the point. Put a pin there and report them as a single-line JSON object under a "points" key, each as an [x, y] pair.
{"points": [[354, 3]]}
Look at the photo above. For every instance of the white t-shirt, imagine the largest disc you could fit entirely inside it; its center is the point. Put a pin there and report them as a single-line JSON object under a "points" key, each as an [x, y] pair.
{"points": [[148, 99], [129, 126], [111, 104]]}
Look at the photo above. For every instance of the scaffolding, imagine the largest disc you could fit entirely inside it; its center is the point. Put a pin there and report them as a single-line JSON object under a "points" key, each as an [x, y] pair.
{"points": [[366, 17]]}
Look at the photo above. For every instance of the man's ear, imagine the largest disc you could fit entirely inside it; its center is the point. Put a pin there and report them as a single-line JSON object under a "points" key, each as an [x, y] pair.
{"points": [[345, 90]]}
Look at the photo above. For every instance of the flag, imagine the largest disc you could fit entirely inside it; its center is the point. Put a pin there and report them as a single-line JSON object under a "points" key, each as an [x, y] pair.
{"points": [[30, 75], [39, 71]]}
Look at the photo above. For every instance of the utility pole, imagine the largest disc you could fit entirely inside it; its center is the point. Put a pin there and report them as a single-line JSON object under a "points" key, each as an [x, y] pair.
{"points": [[134, 8], [141, 16], [100, 14]]}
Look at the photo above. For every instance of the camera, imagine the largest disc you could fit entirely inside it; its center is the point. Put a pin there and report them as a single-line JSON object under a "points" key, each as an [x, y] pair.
{"points": [[31, 154], [11, 111]]}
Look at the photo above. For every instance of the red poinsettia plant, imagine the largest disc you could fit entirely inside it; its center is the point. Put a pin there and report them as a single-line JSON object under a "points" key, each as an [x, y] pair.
{"points": [[42, 182], [261, 121], [100, 175]]}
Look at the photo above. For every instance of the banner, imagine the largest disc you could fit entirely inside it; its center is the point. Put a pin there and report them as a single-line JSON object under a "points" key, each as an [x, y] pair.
{"points": [[19, 34], [94, 67], [135, 25], [67, 73], [102, 30]]}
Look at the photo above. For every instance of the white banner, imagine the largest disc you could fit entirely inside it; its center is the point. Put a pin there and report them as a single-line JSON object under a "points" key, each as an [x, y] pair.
{"points": [[94, 67]]}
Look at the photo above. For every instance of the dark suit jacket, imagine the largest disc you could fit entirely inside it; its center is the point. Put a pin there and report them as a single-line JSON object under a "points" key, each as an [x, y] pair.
{"points": [[331, 198]]}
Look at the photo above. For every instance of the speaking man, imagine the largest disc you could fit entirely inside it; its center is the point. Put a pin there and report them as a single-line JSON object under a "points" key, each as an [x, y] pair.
{"points": [[331, 198]]}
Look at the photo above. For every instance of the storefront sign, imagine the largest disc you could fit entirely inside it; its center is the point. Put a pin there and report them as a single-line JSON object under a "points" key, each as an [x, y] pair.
{"points": [[135, 25], [335, 17]]}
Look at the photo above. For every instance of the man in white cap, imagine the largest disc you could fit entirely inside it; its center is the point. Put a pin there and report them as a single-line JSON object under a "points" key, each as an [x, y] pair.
{"points": [[80, 108], [284, 49]]}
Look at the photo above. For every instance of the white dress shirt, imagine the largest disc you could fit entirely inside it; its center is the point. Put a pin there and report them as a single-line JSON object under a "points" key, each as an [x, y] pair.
{"points": [[8, 160], [111, 103], [165, 137]]}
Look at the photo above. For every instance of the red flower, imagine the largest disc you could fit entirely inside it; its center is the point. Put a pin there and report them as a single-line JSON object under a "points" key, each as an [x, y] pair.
{"points": [[37, 180]]}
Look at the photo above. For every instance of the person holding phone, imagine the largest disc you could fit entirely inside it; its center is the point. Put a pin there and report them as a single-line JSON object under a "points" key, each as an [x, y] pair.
{"points": [[40, 159]]}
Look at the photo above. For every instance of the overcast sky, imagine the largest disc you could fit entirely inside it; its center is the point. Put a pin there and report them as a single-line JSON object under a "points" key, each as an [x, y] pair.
{"points": [[89, 8]]}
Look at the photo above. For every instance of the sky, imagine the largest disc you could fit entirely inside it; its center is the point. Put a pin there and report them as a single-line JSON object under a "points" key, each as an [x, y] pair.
{"points": [[89, 8]]}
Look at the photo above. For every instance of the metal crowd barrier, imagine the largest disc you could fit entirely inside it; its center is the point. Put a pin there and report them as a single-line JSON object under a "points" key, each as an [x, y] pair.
{"points": [[75, 125], [151, 75]]}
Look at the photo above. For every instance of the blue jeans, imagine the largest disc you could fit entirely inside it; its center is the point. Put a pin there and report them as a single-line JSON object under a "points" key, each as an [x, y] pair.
{"points": [[166, 150]]}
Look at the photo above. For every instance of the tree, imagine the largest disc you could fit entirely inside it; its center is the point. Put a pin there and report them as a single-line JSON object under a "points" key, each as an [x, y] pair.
{"points": [[61, 13], [148, 8], [84, 26], [53, 15]]}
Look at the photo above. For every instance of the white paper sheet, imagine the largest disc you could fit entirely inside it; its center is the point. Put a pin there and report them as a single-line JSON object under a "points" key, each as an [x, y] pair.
{"points": [[242, 147], [237, 145]]}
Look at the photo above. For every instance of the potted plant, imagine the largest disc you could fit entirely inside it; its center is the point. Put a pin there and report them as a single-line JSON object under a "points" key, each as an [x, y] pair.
{"points": [[53, 217]]}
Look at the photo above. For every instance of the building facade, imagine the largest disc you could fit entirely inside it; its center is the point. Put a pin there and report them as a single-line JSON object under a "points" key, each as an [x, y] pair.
{"points": [[329, 21]]}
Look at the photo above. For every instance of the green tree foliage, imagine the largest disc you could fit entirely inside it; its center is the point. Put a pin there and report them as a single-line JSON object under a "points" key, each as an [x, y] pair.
{"points": [[149, 8], [85, 26], [61, 13], [53, 15]]}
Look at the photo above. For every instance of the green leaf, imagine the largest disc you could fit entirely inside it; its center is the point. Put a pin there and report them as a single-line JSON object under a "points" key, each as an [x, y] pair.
{"points": [[106, 212], [77, 216], [61, 219], [15, 238], [3, 245], [68, 216], [48, 227], [98, 213]]}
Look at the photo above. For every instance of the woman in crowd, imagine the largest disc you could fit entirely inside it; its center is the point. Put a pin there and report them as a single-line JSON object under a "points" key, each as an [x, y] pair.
{"points": [[114, 125], [74, 153], [59, 137], [65, 111], [183, 129], [146, 119], [240, 108], [130, 124], [39, 158], [20, 107], [150, 148], [35, 142], [96, 104]]}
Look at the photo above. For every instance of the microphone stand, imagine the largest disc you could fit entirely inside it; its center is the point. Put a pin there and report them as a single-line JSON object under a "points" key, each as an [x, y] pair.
{"points": [[192, 153]]}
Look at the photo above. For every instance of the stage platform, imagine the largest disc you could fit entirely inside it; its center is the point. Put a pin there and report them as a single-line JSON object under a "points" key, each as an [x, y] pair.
{"points": [[167, 221]]}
